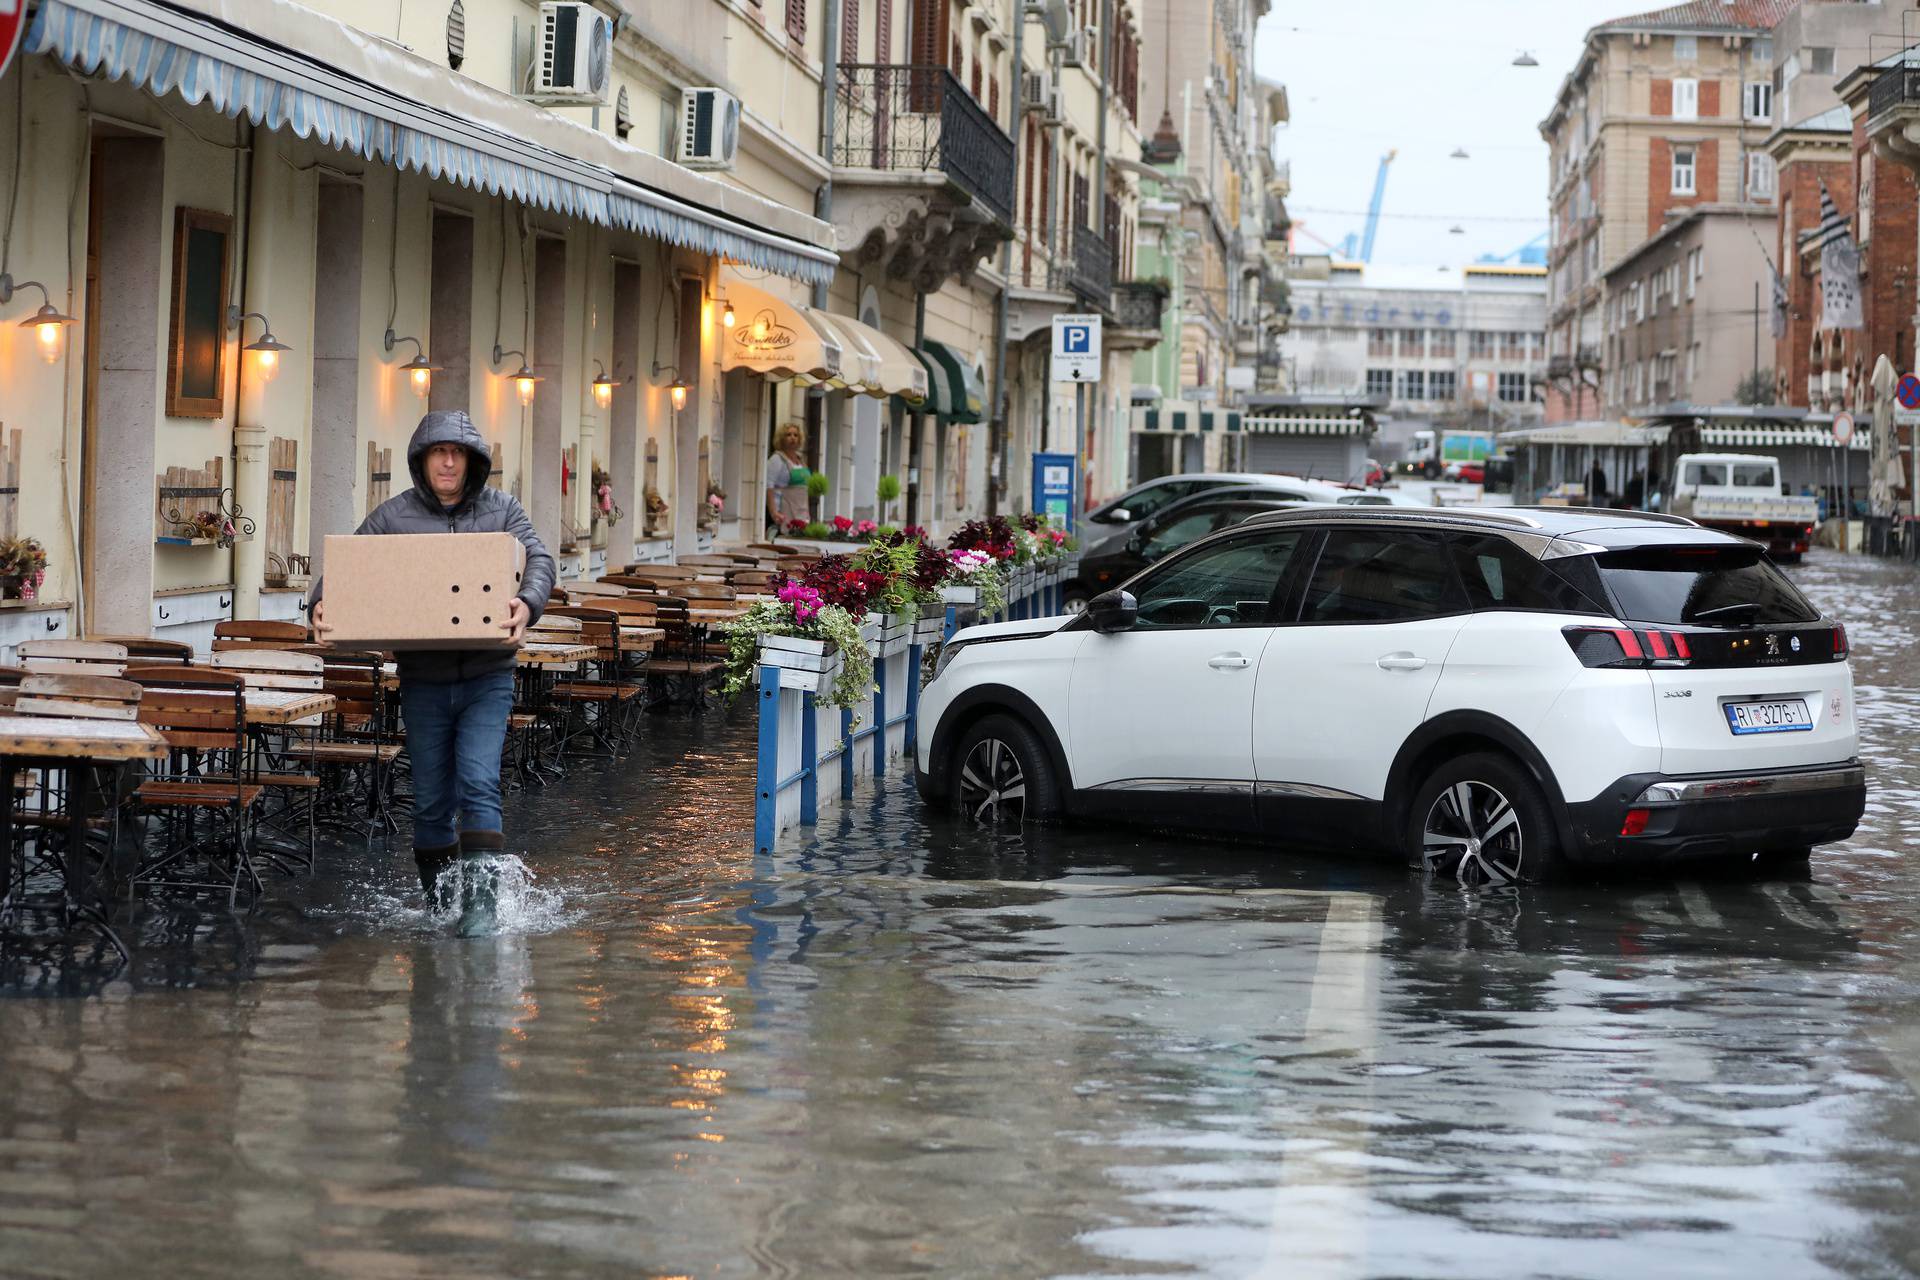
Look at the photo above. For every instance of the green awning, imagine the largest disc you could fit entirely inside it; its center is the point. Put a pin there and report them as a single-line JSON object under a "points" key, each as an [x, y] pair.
{"points": [[939, 401], [966, 392]]}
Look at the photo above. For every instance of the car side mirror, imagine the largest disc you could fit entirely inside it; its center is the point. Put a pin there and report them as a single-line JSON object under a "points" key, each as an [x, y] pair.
{"points": [[1113, 611], [1120, 515]]}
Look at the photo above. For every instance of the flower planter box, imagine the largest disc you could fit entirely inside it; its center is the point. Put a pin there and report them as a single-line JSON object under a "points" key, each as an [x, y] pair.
{"points": [[960, 595], [894, 626], [810, 665], [930, 627]]}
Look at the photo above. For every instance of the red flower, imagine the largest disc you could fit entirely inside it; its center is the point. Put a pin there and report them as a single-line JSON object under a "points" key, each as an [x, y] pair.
{"points": [[842, 524]]}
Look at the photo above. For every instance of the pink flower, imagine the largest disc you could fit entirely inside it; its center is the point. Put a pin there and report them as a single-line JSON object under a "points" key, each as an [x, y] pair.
{"points": [[865, 526], [804, 600]]}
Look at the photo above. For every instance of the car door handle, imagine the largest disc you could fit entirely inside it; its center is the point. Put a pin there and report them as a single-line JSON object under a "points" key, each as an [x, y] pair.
{"points": [[1401, 662], [1229, 661]]}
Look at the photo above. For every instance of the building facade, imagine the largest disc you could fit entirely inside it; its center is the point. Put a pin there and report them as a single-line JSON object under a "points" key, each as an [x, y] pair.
{"points": [[631, 246], [1663, 112], [1471, 351]]}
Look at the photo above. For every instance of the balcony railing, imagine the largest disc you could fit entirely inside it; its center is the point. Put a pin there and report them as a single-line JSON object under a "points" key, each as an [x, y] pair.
{"points": [[1091, 272], [903, 119], [1896, 87], [1138, 304]]}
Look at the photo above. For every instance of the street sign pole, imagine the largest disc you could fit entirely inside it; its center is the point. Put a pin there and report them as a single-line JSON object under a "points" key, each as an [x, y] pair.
{"points": [[1079, 440]]}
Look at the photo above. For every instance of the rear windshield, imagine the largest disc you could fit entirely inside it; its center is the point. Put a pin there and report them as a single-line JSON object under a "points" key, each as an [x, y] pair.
{"points": [[1705, 586]]}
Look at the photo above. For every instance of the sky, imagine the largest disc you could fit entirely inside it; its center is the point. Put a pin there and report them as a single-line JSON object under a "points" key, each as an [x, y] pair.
{"points": [[1423, 78]]}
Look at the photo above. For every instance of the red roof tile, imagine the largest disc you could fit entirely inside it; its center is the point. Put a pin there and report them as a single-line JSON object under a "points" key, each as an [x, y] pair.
{"points": [[1712, 15]]}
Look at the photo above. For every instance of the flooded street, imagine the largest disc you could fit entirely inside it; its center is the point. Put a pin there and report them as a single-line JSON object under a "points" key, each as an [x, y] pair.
{"points": [[903, 1048]]}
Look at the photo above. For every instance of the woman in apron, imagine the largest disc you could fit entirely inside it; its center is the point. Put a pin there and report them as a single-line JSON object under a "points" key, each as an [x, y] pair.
{"points": [[787, 480]]}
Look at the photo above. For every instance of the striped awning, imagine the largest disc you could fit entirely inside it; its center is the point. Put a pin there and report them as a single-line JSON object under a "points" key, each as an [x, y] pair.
{"points": [[1179, 417], [1779, 438], [172, 51], [1309, 426]]}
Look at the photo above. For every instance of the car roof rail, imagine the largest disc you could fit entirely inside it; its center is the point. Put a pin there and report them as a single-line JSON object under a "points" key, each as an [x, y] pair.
{"points": [[1652, 517], [1457, 516]]}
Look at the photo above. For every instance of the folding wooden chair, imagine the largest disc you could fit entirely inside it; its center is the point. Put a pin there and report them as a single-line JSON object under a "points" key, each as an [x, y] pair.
{"points": [[607, 700], [73, 657], [254, 634], [208, 771], [288, 766], [359, 748], [145, 651]]}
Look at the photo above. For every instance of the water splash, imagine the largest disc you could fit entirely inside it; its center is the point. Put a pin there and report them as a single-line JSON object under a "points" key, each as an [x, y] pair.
{"points": [[523, 907]]}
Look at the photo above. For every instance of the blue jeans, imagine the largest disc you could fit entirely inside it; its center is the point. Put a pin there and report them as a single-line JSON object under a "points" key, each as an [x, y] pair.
{"points": [[455, 733]]}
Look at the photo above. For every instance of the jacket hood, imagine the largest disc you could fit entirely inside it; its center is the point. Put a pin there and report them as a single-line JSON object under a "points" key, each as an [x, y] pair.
{"points": [[448, 426]]}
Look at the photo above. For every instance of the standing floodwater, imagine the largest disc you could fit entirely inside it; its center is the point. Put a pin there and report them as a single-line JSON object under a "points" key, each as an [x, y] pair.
{"points": [[904, 1047]]}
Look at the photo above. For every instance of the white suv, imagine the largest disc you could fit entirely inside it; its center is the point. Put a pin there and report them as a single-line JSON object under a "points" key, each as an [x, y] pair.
{"points": [[1488, 692]]}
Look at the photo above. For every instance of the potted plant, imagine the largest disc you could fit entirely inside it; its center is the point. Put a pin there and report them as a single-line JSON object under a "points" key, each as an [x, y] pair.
{"points": [[817, 486], [23, 567], [800, 629], [976, 578], [887, 491], [715, 505], [656, 510]]}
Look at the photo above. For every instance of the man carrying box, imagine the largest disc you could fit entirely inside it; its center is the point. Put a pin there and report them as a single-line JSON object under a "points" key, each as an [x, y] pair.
{"points": [[456, 701]]}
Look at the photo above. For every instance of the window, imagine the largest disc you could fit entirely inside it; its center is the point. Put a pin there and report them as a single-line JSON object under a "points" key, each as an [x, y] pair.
{"points": [[1658, 585], [196, 358], [1380, 382], [1663, 371], [1636, 302], [1413, 344], [1142, 503], [1373, 576], [1480, 344], [1686, 48], [1157, 539], [1513, 388], [1231, 584], [1693, 272], [1440, 344], [1686, 99], [1499, 575], [1760, 101], [1759, 177], [1753, 475], [1820, 61], [1683, 171], [1513, 346], [1763, 50], [1443, 385], [1593, 255], [1413, 384], [1693, 363], [1380, 342]]}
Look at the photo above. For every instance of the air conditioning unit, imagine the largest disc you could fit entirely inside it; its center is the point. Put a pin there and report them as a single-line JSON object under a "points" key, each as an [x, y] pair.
{"points": [[1055, 111], [572, 55], [1073, 53], [1034, 91], [709, 128]]}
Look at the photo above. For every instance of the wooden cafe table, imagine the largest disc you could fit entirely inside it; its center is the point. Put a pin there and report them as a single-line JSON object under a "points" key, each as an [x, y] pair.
{"points": [[69, 745]]}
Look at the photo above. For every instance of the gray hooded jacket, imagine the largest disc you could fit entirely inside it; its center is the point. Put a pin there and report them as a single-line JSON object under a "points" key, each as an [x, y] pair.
{"points": [[480, 510]]}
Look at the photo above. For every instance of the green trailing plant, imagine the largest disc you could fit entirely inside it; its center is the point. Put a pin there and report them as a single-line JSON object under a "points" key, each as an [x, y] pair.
{"points": [[817, 484], [817, 530], [898, 563], [781, 618]]}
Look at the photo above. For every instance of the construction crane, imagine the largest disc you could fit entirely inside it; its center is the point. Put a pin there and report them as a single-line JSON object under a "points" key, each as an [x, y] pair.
{"points": [[1373, 214]]}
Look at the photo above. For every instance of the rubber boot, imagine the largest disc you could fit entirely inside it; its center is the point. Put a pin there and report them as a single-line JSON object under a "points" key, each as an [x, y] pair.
{"points": [[479, 882], [434, 881]]}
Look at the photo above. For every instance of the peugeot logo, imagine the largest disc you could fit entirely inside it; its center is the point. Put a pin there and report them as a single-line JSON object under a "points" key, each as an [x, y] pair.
{"points": [[1773, 646]]}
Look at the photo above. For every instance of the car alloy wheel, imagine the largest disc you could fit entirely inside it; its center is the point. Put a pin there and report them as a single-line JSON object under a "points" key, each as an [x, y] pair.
{"points": [[1473, 834], [993, 786]]}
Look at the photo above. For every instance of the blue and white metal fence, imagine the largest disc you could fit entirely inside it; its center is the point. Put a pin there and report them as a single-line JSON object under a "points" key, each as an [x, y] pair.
{"points": [[810, 755]]}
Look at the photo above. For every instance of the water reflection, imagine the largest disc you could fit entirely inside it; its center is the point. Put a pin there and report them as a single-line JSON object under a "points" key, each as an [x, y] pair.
{"points": [[905, 1047]]}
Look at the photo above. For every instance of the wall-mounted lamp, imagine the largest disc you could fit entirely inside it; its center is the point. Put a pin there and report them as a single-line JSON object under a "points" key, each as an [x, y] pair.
{"points": [[677, 389], [266, 347], [603, 386], [726, 316], [418, 371], [524, 380], [48, 325]]}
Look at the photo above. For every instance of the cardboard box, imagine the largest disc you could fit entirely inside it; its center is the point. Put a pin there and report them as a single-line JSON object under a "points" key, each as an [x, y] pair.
{"points": [[421, 590]]}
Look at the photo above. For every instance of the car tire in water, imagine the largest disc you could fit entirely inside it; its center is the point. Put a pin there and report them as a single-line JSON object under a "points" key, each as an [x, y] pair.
{"points": [[1001, 774], [1481, 820]]}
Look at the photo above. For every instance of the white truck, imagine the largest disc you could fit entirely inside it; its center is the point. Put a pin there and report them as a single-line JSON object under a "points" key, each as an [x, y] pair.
{"points": [[1740, 493]]}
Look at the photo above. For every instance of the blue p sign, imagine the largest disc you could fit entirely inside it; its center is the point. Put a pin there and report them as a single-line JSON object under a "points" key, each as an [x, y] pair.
{"points": [[1078, 338]]}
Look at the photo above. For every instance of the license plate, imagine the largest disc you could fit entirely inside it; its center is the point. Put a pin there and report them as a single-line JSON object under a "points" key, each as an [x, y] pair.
{"points": [[1789, 716]]}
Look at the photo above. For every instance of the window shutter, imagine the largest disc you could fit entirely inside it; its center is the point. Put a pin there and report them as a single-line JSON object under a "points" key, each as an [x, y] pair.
{"points": [[883, 31], [797, 19], [928, 39], [850, 32]]}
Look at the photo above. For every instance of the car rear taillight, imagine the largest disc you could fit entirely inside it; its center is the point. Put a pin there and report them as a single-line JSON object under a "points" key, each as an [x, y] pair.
{"points": [[1840, 649], [1635, 823], [1628, 647]]}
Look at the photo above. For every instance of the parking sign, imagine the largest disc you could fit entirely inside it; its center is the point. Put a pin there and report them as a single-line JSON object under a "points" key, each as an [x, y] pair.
{"points": [[13, 19], [1076, 349]]}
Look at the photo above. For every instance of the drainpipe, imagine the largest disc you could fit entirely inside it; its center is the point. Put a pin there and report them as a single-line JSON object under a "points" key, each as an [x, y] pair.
{"points": [[829, 99], [1100, 228], [251, 483], [916, 426], [1002, 421]]}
